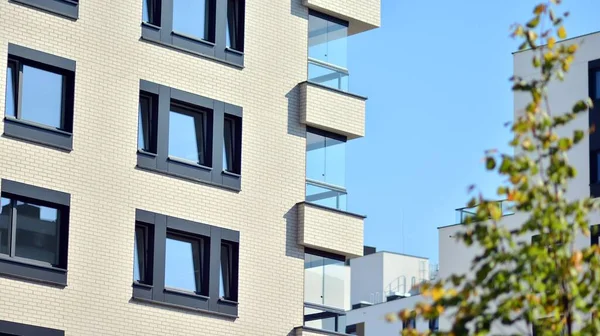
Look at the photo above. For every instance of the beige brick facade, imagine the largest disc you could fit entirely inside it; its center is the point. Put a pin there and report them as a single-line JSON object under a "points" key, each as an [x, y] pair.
{"points": [[106, 187], [333, 111], [330, 230]]}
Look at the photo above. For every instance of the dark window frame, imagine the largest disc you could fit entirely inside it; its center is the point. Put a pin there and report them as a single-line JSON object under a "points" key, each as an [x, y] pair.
{"points": [[215, 47], [146, 258], [152, 103], [65, 8], [203, 143], [412, 323], [235, 144], [213, 172], [19, 329], [594, 120], [157, 292], [15, 127], [30, 269], [230, 270]]}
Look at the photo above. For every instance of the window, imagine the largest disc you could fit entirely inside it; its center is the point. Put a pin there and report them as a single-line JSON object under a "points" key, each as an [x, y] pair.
{"points": [[178, 135], [175, 264], [434, 325], [228, 272], [66, 8], [186, 263], [17, 329], [39, 97], [33, 232], [327, 51], [187, 134], [191, 25], [413, 282], [151, 12], [594, 120], [142, 260], [232, 142], [235, 24], [147, 121], [325, 169], [412, 324]]}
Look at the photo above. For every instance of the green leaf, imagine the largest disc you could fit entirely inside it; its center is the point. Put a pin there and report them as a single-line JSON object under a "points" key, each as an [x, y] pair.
{"points": [[490, 163]]}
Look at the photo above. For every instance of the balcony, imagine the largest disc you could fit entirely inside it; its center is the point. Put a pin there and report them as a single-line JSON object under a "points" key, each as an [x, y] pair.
{"points": [[332, 110], [506, 208], [361, 15], [330, 230]]}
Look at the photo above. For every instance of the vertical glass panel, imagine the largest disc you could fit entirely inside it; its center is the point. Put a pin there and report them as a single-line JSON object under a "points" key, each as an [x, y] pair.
{"points": [[144, 124], [327, 40], [321, 195], [235, 25], [319, 319], [182, 266], [37, 232], [10, 102], [4, 225], [190, 17], [139, 257], [225, 272], [221, 284], [146, 11], [328, 76], [334, 283], [335, 162], [313, 278], [42, 96], [315, 157], [186, 135], [228, 145]]}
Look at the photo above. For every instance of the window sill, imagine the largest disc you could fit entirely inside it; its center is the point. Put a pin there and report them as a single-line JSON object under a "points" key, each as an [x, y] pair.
{"points": [[41, 134], [235, 51], [174, 305], [30, 270], [189, 163], [193, 38], [226, 172], [228, 301], [186, 293], [65, 8], [143, 152]]}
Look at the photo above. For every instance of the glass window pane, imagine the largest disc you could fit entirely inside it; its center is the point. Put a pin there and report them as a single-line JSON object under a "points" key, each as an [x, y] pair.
{"points": [[181, 264], [10, 106], [4, 225], [315, 157], [326, 196], [186, 135], [42, 96], [144, 124], [335, 283], [190, 17], [335, 162], [327, 41], [235, 25], [139, 256], [145, 11], [330, 77], [317, 38], [228, 144], [313, 278], [37, 232]]}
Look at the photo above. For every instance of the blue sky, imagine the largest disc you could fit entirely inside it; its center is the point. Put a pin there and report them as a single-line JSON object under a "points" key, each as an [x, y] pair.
{"points": [[436, 74]]}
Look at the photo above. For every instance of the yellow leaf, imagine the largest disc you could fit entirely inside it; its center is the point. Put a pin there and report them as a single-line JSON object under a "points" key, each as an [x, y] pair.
{"points": [[539, 9], [437, 293], [551, 42], [562, 32]]}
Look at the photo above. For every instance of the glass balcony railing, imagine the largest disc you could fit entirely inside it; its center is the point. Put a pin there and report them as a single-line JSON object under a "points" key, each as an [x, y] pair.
{"points": [[327, 74], [506, 208], [326, 195], [324, 318]]}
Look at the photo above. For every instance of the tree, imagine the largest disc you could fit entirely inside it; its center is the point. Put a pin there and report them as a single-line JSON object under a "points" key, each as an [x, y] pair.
{"points": [[548, 283]]}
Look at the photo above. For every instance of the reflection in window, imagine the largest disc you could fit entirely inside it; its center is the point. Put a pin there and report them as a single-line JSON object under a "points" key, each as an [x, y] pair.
{"points": [[147, 123], [141, 255], [325, 195], [228, 271], [235, 24], [151, 11], [324, 319], [325, 159], [183, 268], [231, 144], [35, 232], [187, 134], [42, 94], [194, 18], [5, 225], [327, 51]]}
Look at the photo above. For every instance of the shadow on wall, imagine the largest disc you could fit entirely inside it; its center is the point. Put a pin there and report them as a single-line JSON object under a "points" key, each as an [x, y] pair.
{"points": [[298, 9], [294, 127], [292, 248]]}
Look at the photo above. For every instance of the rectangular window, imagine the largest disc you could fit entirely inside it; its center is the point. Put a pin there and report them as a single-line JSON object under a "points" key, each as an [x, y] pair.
{"points": [[232, 143], [327, 51], [34, 231], [185, 263], [151, 11], [235, 24], [228, 271], [195, 18], [39, 97], [147, 122], [326, 279], [142, 258], [412, 324], [187, 134]]}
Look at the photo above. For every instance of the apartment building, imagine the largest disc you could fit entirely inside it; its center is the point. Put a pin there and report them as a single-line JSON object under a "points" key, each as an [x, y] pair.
{"points": [[172, 167]]}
